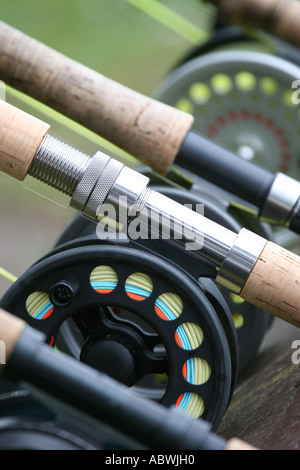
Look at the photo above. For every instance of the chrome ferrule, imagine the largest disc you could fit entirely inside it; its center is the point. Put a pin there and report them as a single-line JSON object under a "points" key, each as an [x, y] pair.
{"points": [[240, 260], [234, 255], [93, 183], [169, 219], [281, 200], [126, 193]]}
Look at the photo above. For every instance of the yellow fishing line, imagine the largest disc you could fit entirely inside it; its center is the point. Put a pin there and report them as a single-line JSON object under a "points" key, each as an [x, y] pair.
{"points": [[140, 280], [194, 334], [102, 273], [172, 20], [7, 275], [195, 407], [35, 302], [173, 302]]}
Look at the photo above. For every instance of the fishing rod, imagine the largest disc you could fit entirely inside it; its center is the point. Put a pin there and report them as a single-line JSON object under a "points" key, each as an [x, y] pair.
{"points": [[29, 360], [278, 17], [260, 271], [155, 133]]}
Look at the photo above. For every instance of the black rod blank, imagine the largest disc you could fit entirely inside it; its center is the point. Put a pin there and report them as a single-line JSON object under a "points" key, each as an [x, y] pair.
{"points": [[224, 168], [106, 400]]}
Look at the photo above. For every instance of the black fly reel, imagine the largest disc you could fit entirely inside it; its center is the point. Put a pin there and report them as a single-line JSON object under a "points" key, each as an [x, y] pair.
{"points": [[137, 317], [250, 322], [145, 314], [31, 422], [27, 425]]}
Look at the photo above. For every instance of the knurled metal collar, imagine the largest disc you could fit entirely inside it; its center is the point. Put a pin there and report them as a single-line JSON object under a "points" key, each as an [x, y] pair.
{"points": [[104, 184], [88, 181]]}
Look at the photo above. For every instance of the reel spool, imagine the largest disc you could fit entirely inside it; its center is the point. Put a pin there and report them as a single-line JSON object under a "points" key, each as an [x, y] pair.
{"points": [[242, 100], [139, 318]]}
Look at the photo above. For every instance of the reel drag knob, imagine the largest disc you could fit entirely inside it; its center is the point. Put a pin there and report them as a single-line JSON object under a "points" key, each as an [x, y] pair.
{"points": [[114, 355]]}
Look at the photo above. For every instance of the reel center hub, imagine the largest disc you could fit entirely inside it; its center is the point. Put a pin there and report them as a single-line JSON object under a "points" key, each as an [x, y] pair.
{"points": [[114, 355]]}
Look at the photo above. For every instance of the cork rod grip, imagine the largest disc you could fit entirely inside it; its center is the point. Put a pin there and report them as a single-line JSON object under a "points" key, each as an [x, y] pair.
{"points": [[20, 136], [274, 283], [11, 329], [238, 444], [278, 17], [147, 129]]}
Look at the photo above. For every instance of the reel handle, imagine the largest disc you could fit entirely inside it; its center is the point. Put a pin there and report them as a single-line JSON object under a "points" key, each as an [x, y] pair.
{"points": [[21, 136], [278, 17], [147, 129]]}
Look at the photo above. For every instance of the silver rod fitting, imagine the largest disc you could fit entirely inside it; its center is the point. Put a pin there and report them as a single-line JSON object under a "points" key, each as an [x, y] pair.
{"points": [[281, 200], [191, 228], [234, 255], [88, 181], [240, 261], [91, 182], [58, 165]]}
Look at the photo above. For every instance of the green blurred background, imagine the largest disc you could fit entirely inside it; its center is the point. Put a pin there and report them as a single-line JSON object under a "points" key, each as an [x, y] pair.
{"points": [[119, 40]]}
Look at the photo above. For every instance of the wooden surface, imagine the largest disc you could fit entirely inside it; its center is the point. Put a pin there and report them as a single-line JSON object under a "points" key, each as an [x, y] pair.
{"points": [[145, 128], [20, 138], [265, 408]]}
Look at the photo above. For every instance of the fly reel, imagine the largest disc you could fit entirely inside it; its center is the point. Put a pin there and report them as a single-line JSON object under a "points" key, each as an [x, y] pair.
{"points": [[242, 98], [28, 424], [30, 421], [137, 317]]}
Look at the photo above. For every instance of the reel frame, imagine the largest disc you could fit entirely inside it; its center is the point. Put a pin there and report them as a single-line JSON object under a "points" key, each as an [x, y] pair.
{"points": [[73, 266]]}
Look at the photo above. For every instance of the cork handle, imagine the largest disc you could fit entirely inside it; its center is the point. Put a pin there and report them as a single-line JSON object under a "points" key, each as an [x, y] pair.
{"points": [[274, 283], [11, 329], [238, 444], [20, 136], [147, 129], [278, 17]]}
